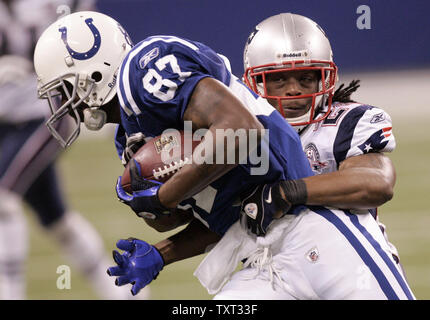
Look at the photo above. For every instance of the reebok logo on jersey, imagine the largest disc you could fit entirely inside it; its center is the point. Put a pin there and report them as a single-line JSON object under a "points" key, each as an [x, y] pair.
{"points": [[148, 57], [378, 118]]}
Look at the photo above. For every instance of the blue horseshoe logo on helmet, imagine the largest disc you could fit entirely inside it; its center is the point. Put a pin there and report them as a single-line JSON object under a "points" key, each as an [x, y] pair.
{"points": [[95, 47]]}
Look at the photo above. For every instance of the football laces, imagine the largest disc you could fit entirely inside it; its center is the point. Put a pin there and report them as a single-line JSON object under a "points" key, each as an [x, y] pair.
{"points": [[169, 169]]}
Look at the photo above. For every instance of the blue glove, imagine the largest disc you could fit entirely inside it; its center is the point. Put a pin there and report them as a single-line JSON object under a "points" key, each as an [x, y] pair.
{"points": [[144, 200], [139, 264], [259, 207]]}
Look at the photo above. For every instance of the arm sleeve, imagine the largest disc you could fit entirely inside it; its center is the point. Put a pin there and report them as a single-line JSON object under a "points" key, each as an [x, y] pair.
{"points": [[364, 129]]}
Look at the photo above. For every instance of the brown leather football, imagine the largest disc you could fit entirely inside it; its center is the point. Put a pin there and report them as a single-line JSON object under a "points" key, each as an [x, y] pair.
{"points": [[161, 157]]}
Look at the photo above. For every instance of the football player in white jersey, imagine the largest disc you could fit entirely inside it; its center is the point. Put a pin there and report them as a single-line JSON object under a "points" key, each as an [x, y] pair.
{"points": [[310, 252], [27, 159], [288, 61], [342, 139]]}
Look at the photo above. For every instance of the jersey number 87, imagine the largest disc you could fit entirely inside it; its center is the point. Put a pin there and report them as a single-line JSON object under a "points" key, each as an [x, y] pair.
{"points": [[152, 74]]}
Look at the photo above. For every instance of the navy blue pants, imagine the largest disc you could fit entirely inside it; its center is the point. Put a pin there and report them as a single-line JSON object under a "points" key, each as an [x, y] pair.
{"points": [[27, 167]]}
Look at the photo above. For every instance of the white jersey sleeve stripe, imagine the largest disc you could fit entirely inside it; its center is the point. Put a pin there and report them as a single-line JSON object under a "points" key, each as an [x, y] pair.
{"points": [[174, 39], [125, 80], [120, 93]]}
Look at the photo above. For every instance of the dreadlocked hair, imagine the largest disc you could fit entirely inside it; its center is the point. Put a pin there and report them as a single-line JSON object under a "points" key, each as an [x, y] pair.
{"points": [[344, 94]]}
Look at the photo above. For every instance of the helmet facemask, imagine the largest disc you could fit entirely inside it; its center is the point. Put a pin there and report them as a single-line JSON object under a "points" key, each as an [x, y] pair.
{"points": [[58, 90], [77, 59], [255, 78]]}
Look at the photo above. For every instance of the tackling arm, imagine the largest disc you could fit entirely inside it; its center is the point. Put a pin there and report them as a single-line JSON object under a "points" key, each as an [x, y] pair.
{"points": [[190, 242], [362, 182], [165, 223]]}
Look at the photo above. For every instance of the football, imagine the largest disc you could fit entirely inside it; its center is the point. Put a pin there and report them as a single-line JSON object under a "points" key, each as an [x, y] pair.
{"points": [[161, 157]]}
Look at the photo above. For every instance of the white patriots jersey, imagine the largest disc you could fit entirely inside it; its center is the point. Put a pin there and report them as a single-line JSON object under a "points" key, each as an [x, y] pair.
{"points": [[351, 129]]}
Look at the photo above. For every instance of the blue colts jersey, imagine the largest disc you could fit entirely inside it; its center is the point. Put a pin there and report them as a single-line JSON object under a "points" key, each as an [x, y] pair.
{"points": [[156, 81]]}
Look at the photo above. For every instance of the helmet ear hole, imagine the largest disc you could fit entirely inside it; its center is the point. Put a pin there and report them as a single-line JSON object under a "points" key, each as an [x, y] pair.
{"points": [[96, 76]]}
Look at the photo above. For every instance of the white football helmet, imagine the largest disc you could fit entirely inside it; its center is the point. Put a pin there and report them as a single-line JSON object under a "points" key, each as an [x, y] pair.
{"points": [[83, 50], [287, 42]]}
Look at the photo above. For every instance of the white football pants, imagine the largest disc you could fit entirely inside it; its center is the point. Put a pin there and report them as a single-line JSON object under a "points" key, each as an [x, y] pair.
{"points": [[328, 254]]}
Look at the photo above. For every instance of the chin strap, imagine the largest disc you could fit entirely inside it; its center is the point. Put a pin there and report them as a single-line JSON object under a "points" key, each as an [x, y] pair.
{"points": [[94, 118], [302, 118], [320, 101]]}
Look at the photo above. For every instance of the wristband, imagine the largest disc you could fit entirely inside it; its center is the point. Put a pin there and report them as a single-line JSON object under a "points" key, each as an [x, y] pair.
{"points": [[295, 191]]}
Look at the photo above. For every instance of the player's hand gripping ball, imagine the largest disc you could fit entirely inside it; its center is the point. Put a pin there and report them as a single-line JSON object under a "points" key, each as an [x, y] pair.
{"points": [[152, 165], [143, 199], [161, 157]]}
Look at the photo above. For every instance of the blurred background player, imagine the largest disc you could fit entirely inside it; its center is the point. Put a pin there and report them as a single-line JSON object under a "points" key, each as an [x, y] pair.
{"points": [[27, 159], [344, 141]]}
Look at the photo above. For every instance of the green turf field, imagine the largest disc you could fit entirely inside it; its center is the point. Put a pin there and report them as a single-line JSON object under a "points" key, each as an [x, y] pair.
{"points": [[90, 169]]}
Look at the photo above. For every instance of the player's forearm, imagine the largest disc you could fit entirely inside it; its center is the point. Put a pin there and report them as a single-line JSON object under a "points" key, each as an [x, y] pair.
{"points": [[189, 181], [190, 242], [194, 177], [177, 218], [352, 188]]}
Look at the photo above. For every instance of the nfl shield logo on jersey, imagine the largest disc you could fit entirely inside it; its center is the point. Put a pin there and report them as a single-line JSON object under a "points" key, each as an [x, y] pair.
{"points": [[313, 255], [251, 210]]}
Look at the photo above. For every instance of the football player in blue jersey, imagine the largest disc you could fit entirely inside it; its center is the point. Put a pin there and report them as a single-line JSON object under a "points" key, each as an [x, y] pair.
{"points": [[28, 155], [160, 83]]}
